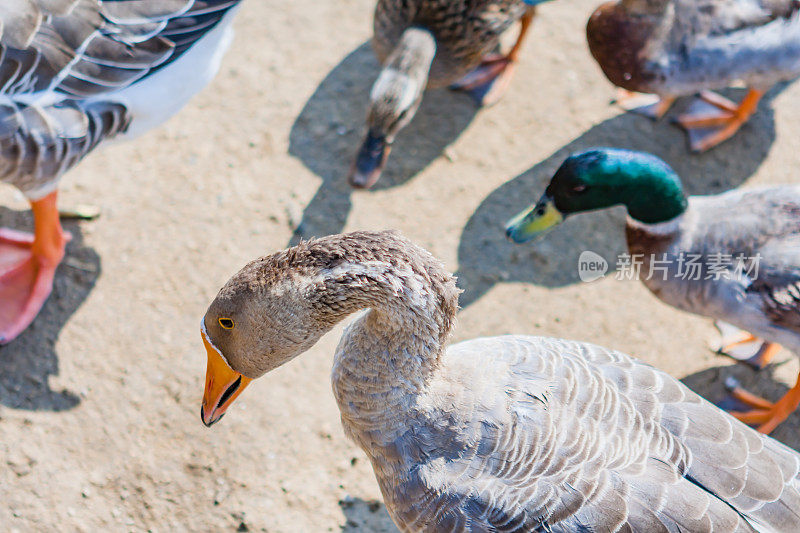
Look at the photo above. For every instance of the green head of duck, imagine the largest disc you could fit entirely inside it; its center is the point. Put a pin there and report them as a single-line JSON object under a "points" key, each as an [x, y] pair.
{"points": [[599, 178]]}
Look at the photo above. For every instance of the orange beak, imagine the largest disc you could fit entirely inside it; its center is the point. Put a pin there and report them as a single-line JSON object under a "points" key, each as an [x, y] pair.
{"points": [[223, 385]]}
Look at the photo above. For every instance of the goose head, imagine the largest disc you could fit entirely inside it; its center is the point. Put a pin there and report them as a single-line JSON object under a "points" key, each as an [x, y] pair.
{"points": [[258, 321]]}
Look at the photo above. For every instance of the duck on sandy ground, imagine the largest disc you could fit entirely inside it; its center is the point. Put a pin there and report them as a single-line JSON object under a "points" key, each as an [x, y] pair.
{"points": [[672, 48], [734, 256], [428, 44]]}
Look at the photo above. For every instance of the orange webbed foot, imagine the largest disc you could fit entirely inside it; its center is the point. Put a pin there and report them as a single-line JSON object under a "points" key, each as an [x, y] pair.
{"points": [[745, 347], [764, 415], [649, 105], [27, 267], [713, 119], [489, 81]]}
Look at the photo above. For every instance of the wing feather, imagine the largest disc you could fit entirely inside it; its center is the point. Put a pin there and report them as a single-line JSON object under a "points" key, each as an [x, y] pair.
{"points": [[579, 438], [780, 291], [63, 52]]}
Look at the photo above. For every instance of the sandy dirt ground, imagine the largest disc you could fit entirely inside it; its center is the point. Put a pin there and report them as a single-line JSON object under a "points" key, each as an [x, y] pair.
{"points": [[100, 398]]}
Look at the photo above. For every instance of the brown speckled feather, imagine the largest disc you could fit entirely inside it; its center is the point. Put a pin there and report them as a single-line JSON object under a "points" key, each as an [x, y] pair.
{"points": [[675, 48], [465, 30], [780, 292]]}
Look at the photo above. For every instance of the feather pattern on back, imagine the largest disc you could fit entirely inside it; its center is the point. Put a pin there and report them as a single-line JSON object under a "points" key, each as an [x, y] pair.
{"points": [[63, 65], [534, 434], [514, 433], [465, 30]]}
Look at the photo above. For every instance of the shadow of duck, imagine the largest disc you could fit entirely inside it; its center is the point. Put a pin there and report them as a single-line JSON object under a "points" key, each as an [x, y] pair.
{"points": [[328, 131], [710, 384], [28, 361], [365, 515], [486, 257]]}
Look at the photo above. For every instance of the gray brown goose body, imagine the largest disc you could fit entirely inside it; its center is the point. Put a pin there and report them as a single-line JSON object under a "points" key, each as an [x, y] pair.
{"points": [[509, 433]]}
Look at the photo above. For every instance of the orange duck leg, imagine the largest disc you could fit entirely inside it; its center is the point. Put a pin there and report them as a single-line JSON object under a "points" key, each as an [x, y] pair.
{"points": [[490, 80], [27, 267], [707, 129], [765, 415]]}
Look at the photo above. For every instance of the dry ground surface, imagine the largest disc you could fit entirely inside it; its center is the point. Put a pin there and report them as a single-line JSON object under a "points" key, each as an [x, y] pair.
{"points": [[99, 399]]}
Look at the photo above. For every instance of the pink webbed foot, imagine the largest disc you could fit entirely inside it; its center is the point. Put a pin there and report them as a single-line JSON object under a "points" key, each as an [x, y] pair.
{"points": [[489, 81], [27, 267]]}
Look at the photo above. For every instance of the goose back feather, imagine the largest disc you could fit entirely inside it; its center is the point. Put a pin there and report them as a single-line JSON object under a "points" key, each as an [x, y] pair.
{"points": [[72, 72], [533, 434]]}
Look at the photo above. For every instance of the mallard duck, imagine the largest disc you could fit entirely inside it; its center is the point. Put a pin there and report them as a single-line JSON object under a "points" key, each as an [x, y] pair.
{"points": [[511, 433], [74, 73], [674, 48], [428, 44], [734, 257]]}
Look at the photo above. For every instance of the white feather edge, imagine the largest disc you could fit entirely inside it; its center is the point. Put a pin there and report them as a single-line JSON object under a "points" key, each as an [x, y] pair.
{"points": [[387, 82], [154, 99]]}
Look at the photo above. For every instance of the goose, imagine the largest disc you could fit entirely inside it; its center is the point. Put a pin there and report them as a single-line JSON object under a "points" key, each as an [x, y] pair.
{"points": [[744, 246], [74, 74], [429, 44], [673, 48], [511, 433]]}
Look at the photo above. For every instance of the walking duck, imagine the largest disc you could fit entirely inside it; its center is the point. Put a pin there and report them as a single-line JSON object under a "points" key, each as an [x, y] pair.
{"points": [[429, 44], [674, 48], [511, 433], [734, 257], [74, 73]]}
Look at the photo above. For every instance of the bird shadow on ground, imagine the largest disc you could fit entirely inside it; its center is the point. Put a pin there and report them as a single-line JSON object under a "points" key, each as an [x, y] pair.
{"points": [[27, 362], [710, 384], [328, 132], [368, 516], [486, 257]]}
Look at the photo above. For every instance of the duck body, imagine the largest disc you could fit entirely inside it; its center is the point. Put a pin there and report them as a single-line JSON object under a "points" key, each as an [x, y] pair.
{"points": [[74, 74], [428, 44], [465, 31], [762, 226], [508, 433], [683, 47], [734, 257], [553, 435]]}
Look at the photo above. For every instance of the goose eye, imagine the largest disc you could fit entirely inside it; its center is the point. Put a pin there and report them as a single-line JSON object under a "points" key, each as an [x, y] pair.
{"points": [[226, 323], [579, 189]]}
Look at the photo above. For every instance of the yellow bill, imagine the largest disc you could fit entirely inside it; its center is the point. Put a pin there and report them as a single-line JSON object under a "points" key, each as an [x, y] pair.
{"points": [[534, 221]]}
